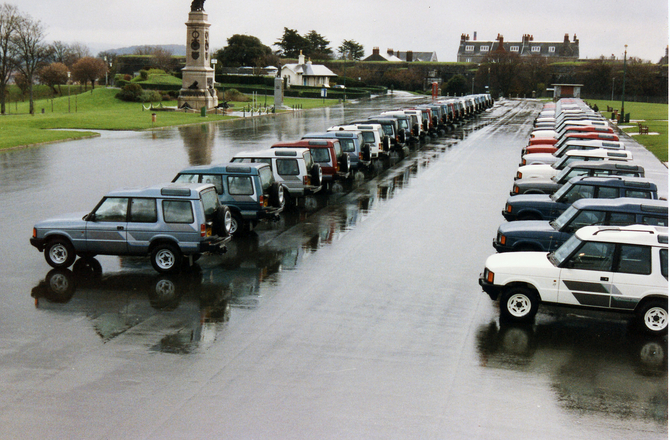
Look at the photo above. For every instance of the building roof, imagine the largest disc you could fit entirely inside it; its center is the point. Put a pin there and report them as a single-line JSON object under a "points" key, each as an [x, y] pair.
{"points": [[309, 69], [477, 50], [418, 56]]}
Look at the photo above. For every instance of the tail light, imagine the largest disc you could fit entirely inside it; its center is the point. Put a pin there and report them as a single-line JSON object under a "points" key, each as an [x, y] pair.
{"points": [[262, 201], [203, 230], [306, 180], [360, 156]]}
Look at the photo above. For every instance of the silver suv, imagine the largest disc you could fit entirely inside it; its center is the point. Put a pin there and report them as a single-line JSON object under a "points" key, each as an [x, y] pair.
{"points": [[168, 222]]}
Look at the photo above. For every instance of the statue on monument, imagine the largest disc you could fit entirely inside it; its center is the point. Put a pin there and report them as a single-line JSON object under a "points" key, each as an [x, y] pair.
{"points": [[197, 5]]}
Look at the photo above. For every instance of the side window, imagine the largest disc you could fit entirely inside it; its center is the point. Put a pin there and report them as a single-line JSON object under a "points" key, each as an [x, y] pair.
{"points": [[635, 259], [321, 155], [638, 194], [606, 192], [240, 186], [593, 255], [214, 179], [579, 192], [177, 211], [287, 167], [664, 262], [621, 219], [112, 209], [654, 221], [143, 210], [587, 218]]}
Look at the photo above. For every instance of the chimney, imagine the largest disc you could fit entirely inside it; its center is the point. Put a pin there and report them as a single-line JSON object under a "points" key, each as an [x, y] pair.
{"points": [[389, 52], [475, 36], [410, 56], [574, 38], [301, 58], [566, 39], [375, 51], [525, 39]]}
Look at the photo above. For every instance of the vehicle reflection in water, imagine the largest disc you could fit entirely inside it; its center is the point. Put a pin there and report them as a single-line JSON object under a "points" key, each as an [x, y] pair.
{"points": [[186, 312], [182, 312], [592, 364]]}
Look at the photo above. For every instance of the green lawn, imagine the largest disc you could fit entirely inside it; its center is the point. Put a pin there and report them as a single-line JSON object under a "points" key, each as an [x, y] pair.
{"points": [[654, 116], [100, 110]]}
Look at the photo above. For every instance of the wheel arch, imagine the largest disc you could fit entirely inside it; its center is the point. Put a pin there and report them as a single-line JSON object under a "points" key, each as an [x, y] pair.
{"points": [[522, 284], [650, 297], [161, 241], [55, 236]]}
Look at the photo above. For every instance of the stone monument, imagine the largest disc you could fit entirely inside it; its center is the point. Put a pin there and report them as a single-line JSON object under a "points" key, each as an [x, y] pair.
{"points": [[197, 89]]}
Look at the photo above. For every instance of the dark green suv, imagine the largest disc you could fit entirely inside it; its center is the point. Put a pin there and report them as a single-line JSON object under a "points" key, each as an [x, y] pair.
{"points": [[248, 189]]}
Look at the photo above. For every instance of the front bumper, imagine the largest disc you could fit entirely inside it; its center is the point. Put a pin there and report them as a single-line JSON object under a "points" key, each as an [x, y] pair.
{"points": [[38, 243], [491, 289], [509, 216], [500, 247]]}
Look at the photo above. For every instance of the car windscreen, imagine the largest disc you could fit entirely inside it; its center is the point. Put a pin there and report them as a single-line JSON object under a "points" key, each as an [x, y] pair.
{"points": [[368, 137], [321, 155], [348, 145], [559, 255]]}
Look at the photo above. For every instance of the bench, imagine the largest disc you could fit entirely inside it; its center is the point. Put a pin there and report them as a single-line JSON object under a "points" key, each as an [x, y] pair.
{"points": [[643, 129]]}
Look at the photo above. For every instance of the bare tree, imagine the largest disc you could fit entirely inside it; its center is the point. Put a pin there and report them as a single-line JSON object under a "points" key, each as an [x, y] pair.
{"points": [[163, 59], [31, 51], [9, 19]]}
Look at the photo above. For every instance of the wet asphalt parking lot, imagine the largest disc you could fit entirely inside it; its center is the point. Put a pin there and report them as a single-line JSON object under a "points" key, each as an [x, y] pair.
{"points": [[360, 319]]}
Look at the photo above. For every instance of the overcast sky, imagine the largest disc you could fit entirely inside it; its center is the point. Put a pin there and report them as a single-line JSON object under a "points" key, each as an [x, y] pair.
{"points": [[603, 27]]}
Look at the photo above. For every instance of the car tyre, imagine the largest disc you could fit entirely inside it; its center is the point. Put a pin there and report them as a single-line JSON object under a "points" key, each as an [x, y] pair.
{"points": [[166, 258], [277, 197], [237, 225], [345, 163], [222, 221], [316, 175], [518, 304], [59, 253], [653, 317]]}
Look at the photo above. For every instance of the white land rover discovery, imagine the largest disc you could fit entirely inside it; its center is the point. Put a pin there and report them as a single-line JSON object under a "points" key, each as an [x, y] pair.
{"points": [[621, 269]]}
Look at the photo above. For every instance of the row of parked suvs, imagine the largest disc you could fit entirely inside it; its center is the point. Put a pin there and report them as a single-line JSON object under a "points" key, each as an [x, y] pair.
{"points": [[584, 226], [205, 206]]}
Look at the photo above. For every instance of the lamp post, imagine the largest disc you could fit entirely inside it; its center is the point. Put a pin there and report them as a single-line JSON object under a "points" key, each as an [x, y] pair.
{"points": [[68, 92], [106, 74], [623, 87], [612, 90]]}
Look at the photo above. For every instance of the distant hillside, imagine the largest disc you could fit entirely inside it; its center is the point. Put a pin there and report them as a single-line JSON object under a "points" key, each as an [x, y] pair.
{"points": [[176, 49]]}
